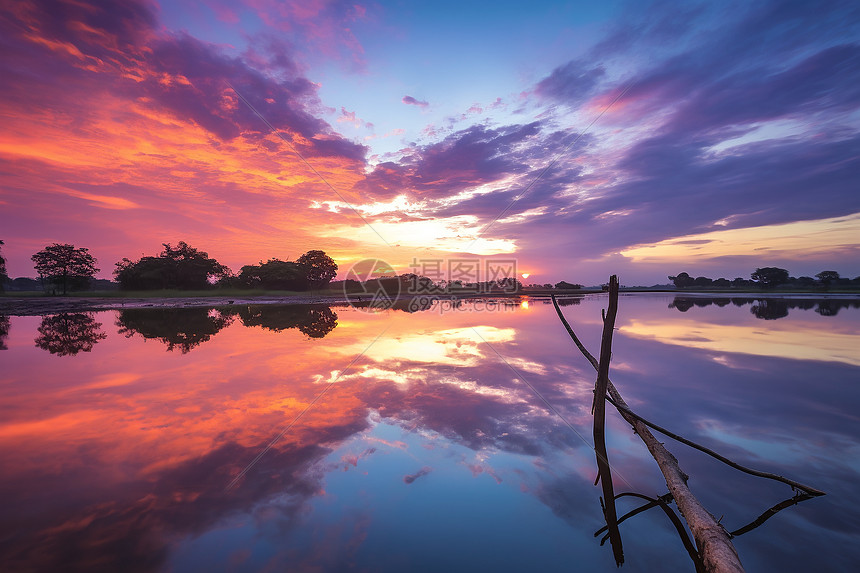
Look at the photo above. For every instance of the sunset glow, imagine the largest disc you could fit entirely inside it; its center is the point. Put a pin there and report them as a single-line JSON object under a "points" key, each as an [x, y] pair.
{"points": [[583, 141]]}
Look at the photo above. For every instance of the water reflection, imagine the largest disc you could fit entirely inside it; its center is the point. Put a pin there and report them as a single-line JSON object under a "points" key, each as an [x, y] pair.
{"points": [[182, 328], [425, 453], [187, 328], [769, 308], [315, 322], [69, 333], [4, 331]]}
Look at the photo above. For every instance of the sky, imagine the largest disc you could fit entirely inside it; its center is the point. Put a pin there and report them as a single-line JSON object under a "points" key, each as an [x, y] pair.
{"points": [[580, 139]]}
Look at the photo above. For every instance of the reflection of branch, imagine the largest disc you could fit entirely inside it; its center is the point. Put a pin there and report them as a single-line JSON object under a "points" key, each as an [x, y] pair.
{"points": [[715, 546], [811, 491], [627, 412], [663, 502], [599, 411], [771, 512]]}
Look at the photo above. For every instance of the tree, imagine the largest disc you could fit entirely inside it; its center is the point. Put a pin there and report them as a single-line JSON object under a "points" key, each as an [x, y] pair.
{"points": [[683, 280], [827, 277], [65, 266], [182, 267], [567, 285], [274, 274], [321, 268], [3, 276], [770, 277]]}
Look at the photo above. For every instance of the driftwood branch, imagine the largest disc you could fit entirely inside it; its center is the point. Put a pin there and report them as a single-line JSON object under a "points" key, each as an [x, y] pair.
{"points": [[598, 408], [712, 540], [627, 412]]}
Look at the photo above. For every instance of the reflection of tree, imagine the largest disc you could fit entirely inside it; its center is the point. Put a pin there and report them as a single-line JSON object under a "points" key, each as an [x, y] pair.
{"points": [[682, 304], [314, 321], [184, 328], [770, 308], [4, 330], [767, 308], [67, 334]]}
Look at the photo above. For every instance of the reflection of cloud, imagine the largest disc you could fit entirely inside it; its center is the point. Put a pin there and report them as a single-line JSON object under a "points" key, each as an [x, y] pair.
{"points": [[777, 341], [460, 346], [422, 472]]}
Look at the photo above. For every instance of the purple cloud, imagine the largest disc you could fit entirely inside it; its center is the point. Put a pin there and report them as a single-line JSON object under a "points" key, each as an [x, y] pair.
{"points": [[409, 100]]}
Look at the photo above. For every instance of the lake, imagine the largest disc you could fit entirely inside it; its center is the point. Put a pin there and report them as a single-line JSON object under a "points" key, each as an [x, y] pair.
{"points": [[272, 438]]}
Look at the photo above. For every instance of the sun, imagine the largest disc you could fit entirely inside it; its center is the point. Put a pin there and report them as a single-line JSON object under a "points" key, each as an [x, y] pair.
{"points": [[525, 275]]}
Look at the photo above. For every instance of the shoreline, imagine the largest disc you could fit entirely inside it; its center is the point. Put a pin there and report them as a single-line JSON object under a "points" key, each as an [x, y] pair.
{"points": [[42, 305]]}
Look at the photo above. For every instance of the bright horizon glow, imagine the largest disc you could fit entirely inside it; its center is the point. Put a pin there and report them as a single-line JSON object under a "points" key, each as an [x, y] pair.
{"points": [[813, 238], [599, 140]]}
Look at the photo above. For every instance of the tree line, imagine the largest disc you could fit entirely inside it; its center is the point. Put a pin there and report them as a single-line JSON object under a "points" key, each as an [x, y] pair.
{"points": [[64, 267], [768, 278]]}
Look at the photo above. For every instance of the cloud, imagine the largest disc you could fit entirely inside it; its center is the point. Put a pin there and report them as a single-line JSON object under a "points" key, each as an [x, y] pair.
{"points": [[409, 100], [571, 83]]}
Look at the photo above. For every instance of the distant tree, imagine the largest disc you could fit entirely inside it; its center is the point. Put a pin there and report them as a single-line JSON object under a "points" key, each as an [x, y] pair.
{"points": [[567, 285], [702, 282], [321, 268], [65, 266], [3, 276], [770, 277], [740, 282], [274, 274], [722, 283], [547, 285], [804, 281], [827, 278], [182, 267], [682, 280], [67, 334]]}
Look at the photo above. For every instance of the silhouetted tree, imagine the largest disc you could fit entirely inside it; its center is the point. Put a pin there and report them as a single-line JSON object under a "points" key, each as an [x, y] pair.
{"points": [[65, 266], [3, 276], [67, 334], [722, 283], [4, 330], [183, 328], [682, 280], [321, 268], [567, 285], [275, 274], [702, 282], [827, 278], [182, 267], [770, 277]]}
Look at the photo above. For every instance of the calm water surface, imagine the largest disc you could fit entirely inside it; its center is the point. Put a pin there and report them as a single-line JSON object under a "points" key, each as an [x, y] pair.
{"points": [[146, 440]]}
